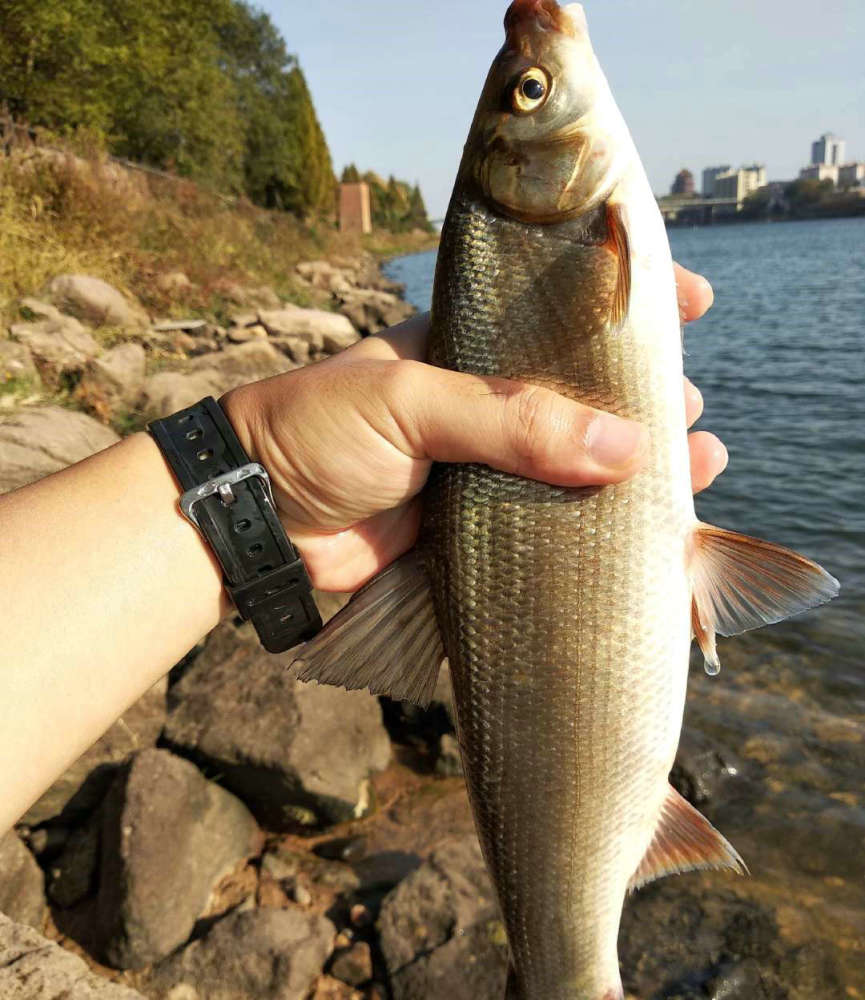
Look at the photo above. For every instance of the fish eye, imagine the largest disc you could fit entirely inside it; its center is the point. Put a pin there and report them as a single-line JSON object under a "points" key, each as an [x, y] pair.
{"points": [[530, 91]]}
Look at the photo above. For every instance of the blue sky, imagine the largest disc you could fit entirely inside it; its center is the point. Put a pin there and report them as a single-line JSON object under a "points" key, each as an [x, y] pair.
{"points": [[395, 84]]}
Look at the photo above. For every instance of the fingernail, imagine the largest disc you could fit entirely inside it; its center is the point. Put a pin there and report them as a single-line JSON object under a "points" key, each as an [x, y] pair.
{"points": [[721, 456], [614, 442]]}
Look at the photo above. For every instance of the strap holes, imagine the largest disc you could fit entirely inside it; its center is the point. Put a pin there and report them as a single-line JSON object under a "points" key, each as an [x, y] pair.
{"points": [[286, 618], [263, 570], [194, 435], [255, 550], [206, 455], [242, 526], [185, 418]]}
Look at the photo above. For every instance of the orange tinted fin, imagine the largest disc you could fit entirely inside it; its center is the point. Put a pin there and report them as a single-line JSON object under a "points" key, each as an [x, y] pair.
{"points": [[739, 583], [684, 841], [386, 639], [619, 244]]}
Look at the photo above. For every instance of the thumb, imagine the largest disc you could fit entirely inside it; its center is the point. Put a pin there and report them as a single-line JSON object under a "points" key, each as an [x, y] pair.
{"points": [[522, 429]]}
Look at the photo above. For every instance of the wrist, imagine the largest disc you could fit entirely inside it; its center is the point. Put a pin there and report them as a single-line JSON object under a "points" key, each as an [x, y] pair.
{"points": [[242, 406]]}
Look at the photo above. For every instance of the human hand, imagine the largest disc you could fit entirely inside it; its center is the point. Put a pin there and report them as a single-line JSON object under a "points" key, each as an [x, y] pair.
{"points": [[349, 442]]}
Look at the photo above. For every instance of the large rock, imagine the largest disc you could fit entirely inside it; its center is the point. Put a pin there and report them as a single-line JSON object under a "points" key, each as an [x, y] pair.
{"points": [[114, 380], [83, 785], [372, 311], [96, 302], [33, 968], [17, 369], [168, 837], [40, 440], [58, 346], [241, 363], [293, 752], [167, 392], [312, 325], [264, 954], [440, 931], [22, 885]]}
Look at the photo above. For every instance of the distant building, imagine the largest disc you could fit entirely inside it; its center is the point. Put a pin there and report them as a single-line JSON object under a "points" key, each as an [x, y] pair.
{"points": [[820, 172], [710, 174], [851, 175], [739, 183], [828, 150], [355, 214], [684, 183]]}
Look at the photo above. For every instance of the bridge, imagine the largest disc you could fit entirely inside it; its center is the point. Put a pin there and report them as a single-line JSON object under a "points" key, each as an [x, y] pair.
{"points": [[697, 211]]}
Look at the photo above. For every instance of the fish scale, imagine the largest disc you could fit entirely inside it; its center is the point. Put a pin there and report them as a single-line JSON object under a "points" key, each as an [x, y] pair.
{"points": [[549, 595]]}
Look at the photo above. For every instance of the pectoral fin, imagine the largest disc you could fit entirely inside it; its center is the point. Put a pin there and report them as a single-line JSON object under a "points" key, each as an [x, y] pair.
{"points": [[684, 841], [386, 639], [619, 245], [739, 583]]}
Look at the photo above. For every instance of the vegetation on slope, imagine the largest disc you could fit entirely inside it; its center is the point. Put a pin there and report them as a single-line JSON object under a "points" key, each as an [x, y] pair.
{"points": [[205, 88]]}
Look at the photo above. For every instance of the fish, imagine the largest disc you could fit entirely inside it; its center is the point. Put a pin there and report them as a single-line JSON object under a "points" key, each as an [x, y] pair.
{"points": [[567, 614]]}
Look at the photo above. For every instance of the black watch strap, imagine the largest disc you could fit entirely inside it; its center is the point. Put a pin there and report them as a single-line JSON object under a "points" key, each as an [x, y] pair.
{"points": [[228, 498]]}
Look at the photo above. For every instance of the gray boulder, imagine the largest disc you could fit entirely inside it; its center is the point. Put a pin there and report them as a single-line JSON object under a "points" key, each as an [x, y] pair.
{"points": [[22, 885], [440, 931], [33, 968], [168, 837], [241, 363], [84, 784], [37, 441], [115, 379], [96, 302], [372, 311], [295, 753], [264, 954], [311, 325], [167, 392], [58, 346]]}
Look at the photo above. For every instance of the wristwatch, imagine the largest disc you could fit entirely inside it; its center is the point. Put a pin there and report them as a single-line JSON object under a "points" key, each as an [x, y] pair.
{"points": [[229, 499]]}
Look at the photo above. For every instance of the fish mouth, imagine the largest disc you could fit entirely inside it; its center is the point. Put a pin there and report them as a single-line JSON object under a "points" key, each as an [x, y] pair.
{"points": [[544, 14]]}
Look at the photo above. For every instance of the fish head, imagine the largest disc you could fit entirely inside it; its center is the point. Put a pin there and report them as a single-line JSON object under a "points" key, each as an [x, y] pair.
{"points": [[547, 142]]}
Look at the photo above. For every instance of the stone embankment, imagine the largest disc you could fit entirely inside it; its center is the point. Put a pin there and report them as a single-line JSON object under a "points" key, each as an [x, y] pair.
{"points": [[238, 835]]}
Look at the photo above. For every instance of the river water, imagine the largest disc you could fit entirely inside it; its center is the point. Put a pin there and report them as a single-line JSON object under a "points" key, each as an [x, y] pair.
{"points": [[780, 360]]}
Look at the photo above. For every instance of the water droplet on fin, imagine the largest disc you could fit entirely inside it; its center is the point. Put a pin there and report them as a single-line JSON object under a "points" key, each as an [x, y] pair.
{"points": [[712, 669]]}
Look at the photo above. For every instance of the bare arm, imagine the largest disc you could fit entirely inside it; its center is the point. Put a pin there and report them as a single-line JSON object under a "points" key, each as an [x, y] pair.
{"points": [[105, 586]]}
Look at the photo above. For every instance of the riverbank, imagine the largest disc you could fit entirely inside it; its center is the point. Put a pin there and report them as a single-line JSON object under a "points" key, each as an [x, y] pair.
{"points": [[65, 213]]}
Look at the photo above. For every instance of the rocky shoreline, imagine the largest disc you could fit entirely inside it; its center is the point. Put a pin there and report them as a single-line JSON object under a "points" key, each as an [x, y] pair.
{"points": [[240, 835]]}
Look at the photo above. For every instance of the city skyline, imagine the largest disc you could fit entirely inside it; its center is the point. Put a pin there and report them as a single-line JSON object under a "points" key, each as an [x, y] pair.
{"points": [[395, 84]]}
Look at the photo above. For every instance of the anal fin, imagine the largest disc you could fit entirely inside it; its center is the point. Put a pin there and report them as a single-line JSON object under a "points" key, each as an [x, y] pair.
{"points": [[739, 583], [684, 841], [386, 639]]}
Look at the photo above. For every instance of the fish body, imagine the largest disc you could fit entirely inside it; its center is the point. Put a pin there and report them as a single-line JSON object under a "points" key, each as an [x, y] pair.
{"points": [[567, 614]]}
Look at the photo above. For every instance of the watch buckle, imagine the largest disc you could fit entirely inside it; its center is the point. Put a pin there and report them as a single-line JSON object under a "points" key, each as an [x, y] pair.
{"points": [[223, 487]]}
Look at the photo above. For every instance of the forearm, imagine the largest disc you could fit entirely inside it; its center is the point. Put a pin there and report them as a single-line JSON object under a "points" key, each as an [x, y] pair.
{"points": [[104, 587]]}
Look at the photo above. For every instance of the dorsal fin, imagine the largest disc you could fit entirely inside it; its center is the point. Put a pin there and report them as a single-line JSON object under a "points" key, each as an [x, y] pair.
{"points": [[739, 583], [684, 841]]}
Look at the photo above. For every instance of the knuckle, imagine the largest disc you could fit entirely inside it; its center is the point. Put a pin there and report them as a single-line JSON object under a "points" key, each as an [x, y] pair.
{"points": [[531, 423]]}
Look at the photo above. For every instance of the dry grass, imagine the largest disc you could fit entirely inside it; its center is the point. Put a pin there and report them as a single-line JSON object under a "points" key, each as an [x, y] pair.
{"points": [[61, 213]]}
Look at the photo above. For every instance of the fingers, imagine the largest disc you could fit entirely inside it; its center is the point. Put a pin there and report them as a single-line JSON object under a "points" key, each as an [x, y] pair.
{"points": [[694, 292], [708, 459], [526, 430], [343, 561], [693, 403], [406, 341]]}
